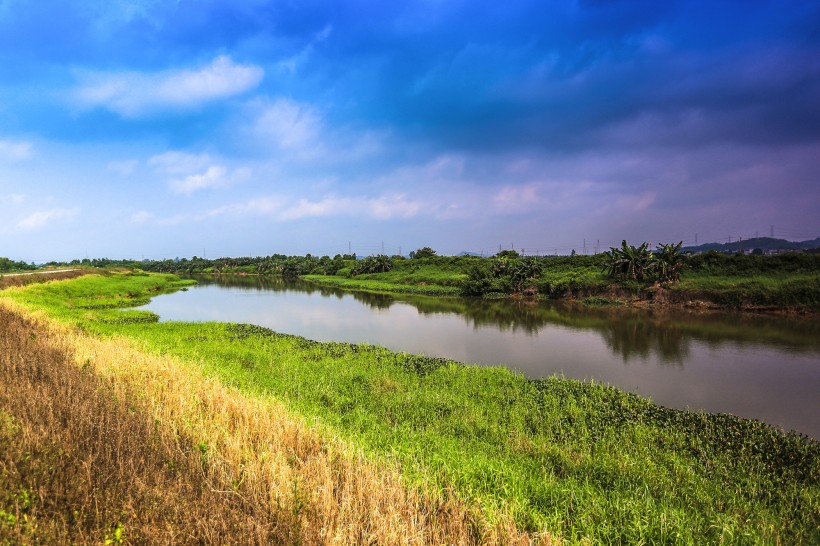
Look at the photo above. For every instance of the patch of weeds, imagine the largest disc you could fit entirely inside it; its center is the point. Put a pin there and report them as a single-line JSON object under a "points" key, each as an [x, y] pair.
{"points": [[600, 301], [130, 317], [117, 535], [7, 519]]}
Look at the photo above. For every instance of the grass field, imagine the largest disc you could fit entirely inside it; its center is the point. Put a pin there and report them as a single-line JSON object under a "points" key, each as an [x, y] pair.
{"points": [[561, 459]]}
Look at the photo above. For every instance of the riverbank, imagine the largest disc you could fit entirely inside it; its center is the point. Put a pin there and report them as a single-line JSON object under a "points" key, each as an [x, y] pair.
{"points": [[127, 445], [574, 459], [790, 293], [785, 283]]}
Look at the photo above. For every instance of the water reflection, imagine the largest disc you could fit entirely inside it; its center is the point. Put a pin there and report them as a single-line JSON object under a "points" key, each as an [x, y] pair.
{"points": [[754, 366], [628, 332]]}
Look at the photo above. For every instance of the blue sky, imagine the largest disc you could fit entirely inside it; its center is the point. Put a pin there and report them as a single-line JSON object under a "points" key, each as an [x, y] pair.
{"points": [[175, 128]]}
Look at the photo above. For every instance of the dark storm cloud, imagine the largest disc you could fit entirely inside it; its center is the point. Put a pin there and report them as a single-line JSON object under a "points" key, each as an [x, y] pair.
{"points": [[554, 74]]}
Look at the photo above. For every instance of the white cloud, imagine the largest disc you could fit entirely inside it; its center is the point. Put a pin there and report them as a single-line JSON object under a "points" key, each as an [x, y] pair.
{"points": [[124, 168], [516, 199], [216, 176], [12, 198], [305, 208], [131, 94], [396, 206], [381, 208], [290, 125], [179, 163], [15, 151], [41, 218], [281, 209], [194, 172], [142, 217], [291, 64], [259, 206]]}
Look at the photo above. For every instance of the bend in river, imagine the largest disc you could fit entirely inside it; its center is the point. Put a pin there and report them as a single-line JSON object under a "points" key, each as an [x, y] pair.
{"points": [[758, 367]]}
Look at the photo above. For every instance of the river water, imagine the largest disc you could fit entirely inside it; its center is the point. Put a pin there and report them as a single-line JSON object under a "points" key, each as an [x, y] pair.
{"points": [[759, 367]]}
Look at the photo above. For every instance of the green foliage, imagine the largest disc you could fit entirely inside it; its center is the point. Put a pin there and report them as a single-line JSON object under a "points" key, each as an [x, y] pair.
{"points": [[598, 300], [794, 290], [479, 282], [668, 262], [512, 254], [627, 262], [7, 265], [717, 264], [424, 252], [373, 264], [585, 461], [371, 283], [576, 458], [117, 535], [640, 264]]}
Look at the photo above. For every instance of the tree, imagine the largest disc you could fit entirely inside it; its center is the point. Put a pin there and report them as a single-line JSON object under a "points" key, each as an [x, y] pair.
{"points": [[668, 262], [373, 264], [424, 252], [508, 254], [524, 271], [628, 261]]}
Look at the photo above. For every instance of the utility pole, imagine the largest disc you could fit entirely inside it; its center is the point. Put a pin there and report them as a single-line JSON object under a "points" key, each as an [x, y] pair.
{"points": [[771, 231], [696, 239], [585, 247]]}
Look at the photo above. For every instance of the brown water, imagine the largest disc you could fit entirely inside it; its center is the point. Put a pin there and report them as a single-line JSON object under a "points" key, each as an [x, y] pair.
{"points": [[766, 368]]}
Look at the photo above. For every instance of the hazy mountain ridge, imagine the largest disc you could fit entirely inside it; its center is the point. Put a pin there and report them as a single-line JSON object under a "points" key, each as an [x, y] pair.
{"points": [[767, 244]]}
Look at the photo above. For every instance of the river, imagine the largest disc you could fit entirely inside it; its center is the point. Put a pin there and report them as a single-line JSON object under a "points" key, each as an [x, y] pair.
{"points": [[759, 367]]}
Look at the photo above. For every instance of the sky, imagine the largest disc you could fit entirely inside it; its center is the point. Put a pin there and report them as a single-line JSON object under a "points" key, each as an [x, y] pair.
{"points": [[173, 128]]}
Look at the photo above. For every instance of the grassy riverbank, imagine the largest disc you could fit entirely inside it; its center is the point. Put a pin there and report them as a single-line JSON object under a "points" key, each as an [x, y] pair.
{"points": [[710, 280], [575, 459], [788, 282]]}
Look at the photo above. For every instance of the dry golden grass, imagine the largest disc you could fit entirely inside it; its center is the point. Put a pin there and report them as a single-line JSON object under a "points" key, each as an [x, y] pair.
{"points": [[8, 281], [118, 436]]}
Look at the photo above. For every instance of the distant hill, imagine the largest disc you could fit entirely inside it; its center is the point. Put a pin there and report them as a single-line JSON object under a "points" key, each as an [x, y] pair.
{"points": [[766, 244]]}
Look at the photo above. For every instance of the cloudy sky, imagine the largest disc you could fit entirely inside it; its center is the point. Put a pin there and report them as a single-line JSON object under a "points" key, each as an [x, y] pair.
{"points": [[164, 128]]}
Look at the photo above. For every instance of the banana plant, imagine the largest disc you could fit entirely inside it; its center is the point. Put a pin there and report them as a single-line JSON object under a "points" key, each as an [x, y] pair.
{"points": [[628, 261], [669, 262]]}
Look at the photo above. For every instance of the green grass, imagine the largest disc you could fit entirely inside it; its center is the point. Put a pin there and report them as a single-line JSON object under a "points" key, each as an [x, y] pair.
{"points": [[378, 282], [430, 276], [579, 459], [777, 290], [726, 281]]}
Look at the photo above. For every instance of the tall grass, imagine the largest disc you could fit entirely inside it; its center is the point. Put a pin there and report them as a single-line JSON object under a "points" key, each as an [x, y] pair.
{"points": [[583, 461], [7, 281], [111, 441]]}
